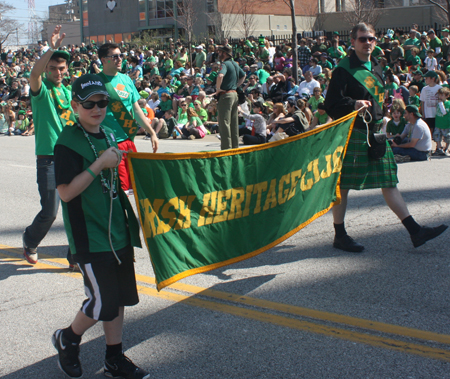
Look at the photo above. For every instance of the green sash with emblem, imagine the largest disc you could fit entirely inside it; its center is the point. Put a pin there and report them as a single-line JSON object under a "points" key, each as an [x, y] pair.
{"points": [[119, 110], [369, 81], [62, 103]]}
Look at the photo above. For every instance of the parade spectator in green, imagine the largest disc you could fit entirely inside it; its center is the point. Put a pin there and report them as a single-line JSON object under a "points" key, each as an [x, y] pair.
{"points": [[324, 62], [396, 52], [410, 43], [320, 117], [315, 100], [200, 56], [435, 44], [335, 51]]}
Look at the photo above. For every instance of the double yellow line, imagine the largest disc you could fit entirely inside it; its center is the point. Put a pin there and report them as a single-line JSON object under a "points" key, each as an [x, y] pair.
{"points": [[243, 306]]}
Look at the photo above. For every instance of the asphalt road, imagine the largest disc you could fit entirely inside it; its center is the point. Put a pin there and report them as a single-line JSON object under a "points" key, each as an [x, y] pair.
{"points": [[299, 310]]}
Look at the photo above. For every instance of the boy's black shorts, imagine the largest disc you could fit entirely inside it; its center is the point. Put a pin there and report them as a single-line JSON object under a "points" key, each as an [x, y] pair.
{"points": [[109, 286]]}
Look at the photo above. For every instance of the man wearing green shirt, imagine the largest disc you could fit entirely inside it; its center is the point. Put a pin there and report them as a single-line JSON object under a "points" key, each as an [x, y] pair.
{"points": [[435, 44], [51, 113], [410, 43]]}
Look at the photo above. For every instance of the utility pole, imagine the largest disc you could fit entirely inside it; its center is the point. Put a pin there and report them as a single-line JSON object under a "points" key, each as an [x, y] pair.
{"points": [[17, 37]]}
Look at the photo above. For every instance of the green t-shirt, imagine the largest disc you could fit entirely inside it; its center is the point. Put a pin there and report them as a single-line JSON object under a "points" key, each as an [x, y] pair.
{"points": [[165, 105], [129, 95], [414, 61], [394, 129], [414, 100], [325, 64], [232, 73], [321, 118], [168, 64], [391, 87], [313, 102], [151, 59], [22, 125], [333, 52], [192, 119], [263, 75], [49, 119], [436, 43], [410, 41], [377, 51], [203, 114], [182, 117], [443, 121]]}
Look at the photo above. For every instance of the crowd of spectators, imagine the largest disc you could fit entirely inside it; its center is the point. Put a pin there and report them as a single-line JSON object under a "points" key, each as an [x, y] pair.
{"points": [[176, 89]]}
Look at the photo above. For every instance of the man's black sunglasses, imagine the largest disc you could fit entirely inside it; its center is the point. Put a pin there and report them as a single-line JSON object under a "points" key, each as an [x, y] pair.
{"points": [[365, 39], [92, 104], [115, 56]]}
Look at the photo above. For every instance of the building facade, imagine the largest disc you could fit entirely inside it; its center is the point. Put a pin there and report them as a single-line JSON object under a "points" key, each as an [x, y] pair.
{"points": [[120, 20]]}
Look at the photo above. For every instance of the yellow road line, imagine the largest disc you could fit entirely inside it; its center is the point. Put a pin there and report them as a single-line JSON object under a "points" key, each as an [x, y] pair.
{"points": [[382, 342]]}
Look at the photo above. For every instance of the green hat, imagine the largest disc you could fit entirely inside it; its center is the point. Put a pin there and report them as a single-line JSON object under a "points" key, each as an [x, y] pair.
{"points": [[431, 74], [61, 54], [22, 112], [418, 72], [446, 30], [336, 33], [88, 85], [144, 94], [197, 102], [414, 110]]}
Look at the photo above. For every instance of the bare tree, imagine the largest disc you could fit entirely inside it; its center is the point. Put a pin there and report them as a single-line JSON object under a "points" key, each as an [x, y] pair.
{"points": [[246, 18], [187, 17], [358, 11], [445, 8], [224, 21], [8, 26]]}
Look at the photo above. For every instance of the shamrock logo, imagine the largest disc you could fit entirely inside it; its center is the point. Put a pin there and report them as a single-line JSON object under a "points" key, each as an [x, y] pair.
{"points": [[116, 106]]}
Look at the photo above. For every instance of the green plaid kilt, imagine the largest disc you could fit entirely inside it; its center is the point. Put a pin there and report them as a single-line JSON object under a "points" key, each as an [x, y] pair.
{"points": [[361, 172]]}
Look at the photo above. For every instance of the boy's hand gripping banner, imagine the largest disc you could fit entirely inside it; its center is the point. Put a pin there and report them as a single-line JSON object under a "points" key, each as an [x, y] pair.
{"points": [[201, 211]]}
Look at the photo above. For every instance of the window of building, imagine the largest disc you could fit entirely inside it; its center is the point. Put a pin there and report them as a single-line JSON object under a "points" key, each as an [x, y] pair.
{"points": [[338, 5], [142, 10], [85, 13]]}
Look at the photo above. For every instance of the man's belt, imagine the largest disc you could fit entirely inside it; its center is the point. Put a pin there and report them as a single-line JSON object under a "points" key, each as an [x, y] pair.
{"points": [[44, 157]]}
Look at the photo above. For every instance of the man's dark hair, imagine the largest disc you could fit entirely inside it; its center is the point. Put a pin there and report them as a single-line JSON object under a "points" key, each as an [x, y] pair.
{"points": [[362, 27], [134, 60], [103, 50]]}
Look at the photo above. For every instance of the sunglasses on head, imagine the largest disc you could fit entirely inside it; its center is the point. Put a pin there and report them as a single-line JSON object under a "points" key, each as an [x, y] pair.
{"points": [[92, 104], [365, 39]]}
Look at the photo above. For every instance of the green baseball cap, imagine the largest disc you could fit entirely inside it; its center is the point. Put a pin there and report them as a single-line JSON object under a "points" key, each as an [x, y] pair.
{"points": [[445, 30], [414, 110], [61, 54], [22, 112], [144, 94], [431, 74], [88, 85]]}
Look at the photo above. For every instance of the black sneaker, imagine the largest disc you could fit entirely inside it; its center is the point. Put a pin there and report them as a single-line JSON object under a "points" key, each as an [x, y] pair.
{"points": [[68, 352], [426, 233], [122, 367], [347, 243]]}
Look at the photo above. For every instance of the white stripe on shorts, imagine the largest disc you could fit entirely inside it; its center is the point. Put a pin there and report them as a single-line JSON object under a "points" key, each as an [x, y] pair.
{"points": [[96, 298]]}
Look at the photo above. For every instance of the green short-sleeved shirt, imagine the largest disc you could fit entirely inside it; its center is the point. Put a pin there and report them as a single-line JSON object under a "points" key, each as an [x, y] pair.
{"points": [[315, 102], [199, 121], [48, 125], [165, 105], [129, 95], [394, 129], [263, 75], [410, 41], [232, 73], [414, 100], [434, 43], [443, 121]]}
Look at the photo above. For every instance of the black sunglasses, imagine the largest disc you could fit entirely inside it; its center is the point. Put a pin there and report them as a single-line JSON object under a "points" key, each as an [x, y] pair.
{"points": [[115, 56], [92, 104], [365, 39]]}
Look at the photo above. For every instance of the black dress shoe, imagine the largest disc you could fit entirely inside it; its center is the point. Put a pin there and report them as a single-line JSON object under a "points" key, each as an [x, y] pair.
{"points": [[426, 233], [347, 243]]}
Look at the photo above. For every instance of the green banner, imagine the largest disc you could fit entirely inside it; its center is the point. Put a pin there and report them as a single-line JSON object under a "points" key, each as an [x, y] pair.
{"points": [[201, 211]]}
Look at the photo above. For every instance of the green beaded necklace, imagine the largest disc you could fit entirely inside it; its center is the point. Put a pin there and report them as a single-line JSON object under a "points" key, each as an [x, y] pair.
{"points": [[56, 97]]}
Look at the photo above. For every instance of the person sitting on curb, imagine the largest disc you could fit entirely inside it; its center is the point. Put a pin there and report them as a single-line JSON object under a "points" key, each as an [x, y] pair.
{"points": [[416, 138]]}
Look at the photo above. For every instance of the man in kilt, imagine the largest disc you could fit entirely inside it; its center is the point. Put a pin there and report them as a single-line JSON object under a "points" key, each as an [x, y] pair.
{"points": [[357, 84]]}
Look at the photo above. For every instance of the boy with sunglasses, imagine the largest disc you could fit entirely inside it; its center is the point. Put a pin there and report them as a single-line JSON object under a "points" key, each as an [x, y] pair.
{"points": [[101, 228]]}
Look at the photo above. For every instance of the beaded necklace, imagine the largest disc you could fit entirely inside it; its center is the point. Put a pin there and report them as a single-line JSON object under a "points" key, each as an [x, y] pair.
{"points": [[105, 184]]}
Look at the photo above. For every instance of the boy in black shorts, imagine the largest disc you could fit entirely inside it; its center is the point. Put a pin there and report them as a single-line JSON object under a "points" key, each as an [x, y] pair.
{"points": [[86, 160]]}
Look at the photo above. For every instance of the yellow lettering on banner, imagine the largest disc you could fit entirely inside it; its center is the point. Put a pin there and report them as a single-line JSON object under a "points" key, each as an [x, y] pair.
{"points": [[208, 208], [222, 206], [316, 171], [295, 175], [122, 116], [376, 90], [150, 215], [237, 198], [305, 186], [185, 212], [162, 226], [271, 200], [381, 98], [325, 174], [283, 193], [69, 123], [167, 214], [337, 160], [248, 199], [258, 190]]}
